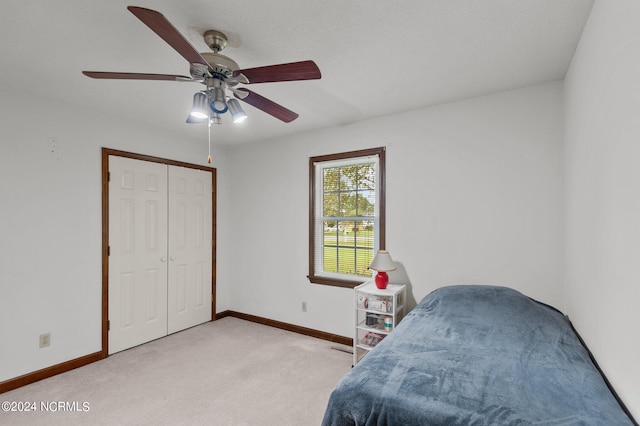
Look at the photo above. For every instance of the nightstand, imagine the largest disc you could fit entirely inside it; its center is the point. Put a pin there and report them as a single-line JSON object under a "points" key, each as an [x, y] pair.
{"points": [[377, 313]]}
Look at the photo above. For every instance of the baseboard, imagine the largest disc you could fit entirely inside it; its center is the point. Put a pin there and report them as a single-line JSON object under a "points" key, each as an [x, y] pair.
{"points": [[50, 371], [97, 356], [289, 327]]}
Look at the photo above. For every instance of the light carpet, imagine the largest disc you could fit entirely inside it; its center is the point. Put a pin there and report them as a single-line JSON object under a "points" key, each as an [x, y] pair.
{"points": [[227, 372]]}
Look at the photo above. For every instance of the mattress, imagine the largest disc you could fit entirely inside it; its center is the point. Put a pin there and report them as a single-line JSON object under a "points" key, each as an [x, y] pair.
{"points": [[477, 355]]}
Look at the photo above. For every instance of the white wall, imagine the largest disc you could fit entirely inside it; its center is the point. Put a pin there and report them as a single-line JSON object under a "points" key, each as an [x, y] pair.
{"points": [[602, 97], [50, 224], [474, 195]]}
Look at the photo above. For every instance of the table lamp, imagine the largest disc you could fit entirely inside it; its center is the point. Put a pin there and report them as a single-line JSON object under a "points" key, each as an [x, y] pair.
{"points": [[382, 263]]}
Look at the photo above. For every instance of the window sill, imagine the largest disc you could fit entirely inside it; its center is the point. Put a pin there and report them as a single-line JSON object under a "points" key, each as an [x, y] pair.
{"points": [[314, 279]]}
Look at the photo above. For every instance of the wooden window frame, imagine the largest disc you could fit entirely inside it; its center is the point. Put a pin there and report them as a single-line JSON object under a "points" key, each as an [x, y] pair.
{"points": [[380, 153]]}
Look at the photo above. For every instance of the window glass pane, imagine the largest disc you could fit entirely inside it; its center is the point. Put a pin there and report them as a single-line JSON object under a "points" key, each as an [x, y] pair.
{"points": [[331, 178], [364, 242], [348, 178], [330, 233], [331, 203], [346, 261], [363, 260], [365, 202], [330, 263], [345, 228], [366, 176], [348, 203], [363, 234]]}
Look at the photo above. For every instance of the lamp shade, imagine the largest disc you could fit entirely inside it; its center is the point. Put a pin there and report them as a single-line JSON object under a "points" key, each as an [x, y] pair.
{"points": [[382, 262]]}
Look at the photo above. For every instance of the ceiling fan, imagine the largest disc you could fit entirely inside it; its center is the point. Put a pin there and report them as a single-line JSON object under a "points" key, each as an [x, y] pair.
{"points": [[218, 73]]}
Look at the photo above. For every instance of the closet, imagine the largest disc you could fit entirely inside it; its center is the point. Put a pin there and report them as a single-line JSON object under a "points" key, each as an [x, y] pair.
{"points": [[160, 250]]}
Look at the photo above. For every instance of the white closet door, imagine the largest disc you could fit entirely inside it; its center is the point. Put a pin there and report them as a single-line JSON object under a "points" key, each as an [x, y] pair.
{"points": [[190, 232], [138, 252]]}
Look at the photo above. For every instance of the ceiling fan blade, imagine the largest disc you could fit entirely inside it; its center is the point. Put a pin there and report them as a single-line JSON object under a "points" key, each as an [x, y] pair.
{"points": [[136, 76], [266, 105], [161, 26], [240, 93], [303, 70]]}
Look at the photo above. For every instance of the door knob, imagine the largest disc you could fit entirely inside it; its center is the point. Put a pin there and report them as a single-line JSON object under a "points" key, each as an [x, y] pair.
{"points": [[172, 258], [163, 259]]}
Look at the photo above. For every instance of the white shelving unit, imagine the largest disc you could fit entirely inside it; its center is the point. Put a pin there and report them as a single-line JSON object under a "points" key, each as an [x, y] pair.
{"points": [[377, 313]]}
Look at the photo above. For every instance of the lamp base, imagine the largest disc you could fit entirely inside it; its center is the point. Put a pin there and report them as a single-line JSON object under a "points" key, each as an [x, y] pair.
{"points": [[382, 279]]}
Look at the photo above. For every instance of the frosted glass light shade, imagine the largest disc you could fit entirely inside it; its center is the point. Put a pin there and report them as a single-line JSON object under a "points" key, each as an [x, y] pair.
{"points": [[236, 111], [199, 109], [218, 105]]}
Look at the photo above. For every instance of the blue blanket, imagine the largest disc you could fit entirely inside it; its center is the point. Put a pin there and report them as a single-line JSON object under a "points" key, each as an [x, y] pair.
{"points": [[476, 355]]}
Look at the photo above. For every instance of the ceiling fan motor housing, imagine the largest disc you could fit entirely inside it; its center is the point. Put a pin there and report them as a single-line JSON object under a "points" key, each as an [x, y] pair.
{"points": [[220, 64], [216, 40]]}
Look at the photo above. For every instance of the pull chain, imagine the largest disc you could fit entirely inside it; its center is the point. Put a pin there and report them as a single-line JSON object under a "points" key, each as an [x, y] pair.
{"points": [[209, 157]]}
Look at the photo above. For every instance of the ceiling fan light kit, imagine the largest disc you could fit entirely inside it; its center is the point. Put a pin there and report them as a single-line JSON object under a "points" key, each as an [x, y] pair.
{"points": [[218, 73], [237, 113], [218, 103], [200, 106]]}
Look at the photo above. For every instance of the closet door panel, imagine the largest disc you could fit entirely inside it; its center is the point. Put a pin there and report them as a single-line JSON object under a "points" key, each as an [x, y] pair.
{"points": [[190, 248], [138, 252]]}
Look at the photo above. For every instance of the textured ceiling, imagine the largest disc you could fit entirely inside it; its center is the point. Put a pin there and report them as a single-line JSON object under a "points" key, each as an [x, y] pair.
{"points": [[376, 57]]}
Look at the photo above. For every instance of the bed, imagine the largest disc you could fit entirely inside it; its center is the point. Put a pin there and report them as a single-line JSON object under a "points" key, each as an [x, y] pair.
{"points": [[477, 355]]}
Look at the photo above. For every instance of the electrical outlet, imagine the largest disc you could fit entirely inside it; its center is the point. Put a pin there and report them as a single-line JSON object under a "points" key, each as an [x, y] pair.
{"points": [[45, 340], [304, 306]]}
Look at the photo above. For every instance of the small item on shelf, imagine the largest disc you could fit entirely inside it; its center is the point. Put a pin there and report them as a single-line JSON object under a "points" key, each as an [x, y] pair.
{"points": [[362, 301], [388, 323], [371, 339], [377, 304], [372, 319]]}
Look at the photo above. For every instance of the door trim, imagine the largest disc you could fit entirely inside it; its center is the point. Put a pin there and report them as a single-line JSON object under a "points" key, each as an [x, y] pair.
{"points": [[106, 152]]}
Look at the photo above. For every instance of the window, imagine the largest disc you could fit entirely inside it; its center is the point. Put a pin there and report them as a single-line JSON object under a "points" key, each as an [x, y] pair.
{"points": [[346, 215]]}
